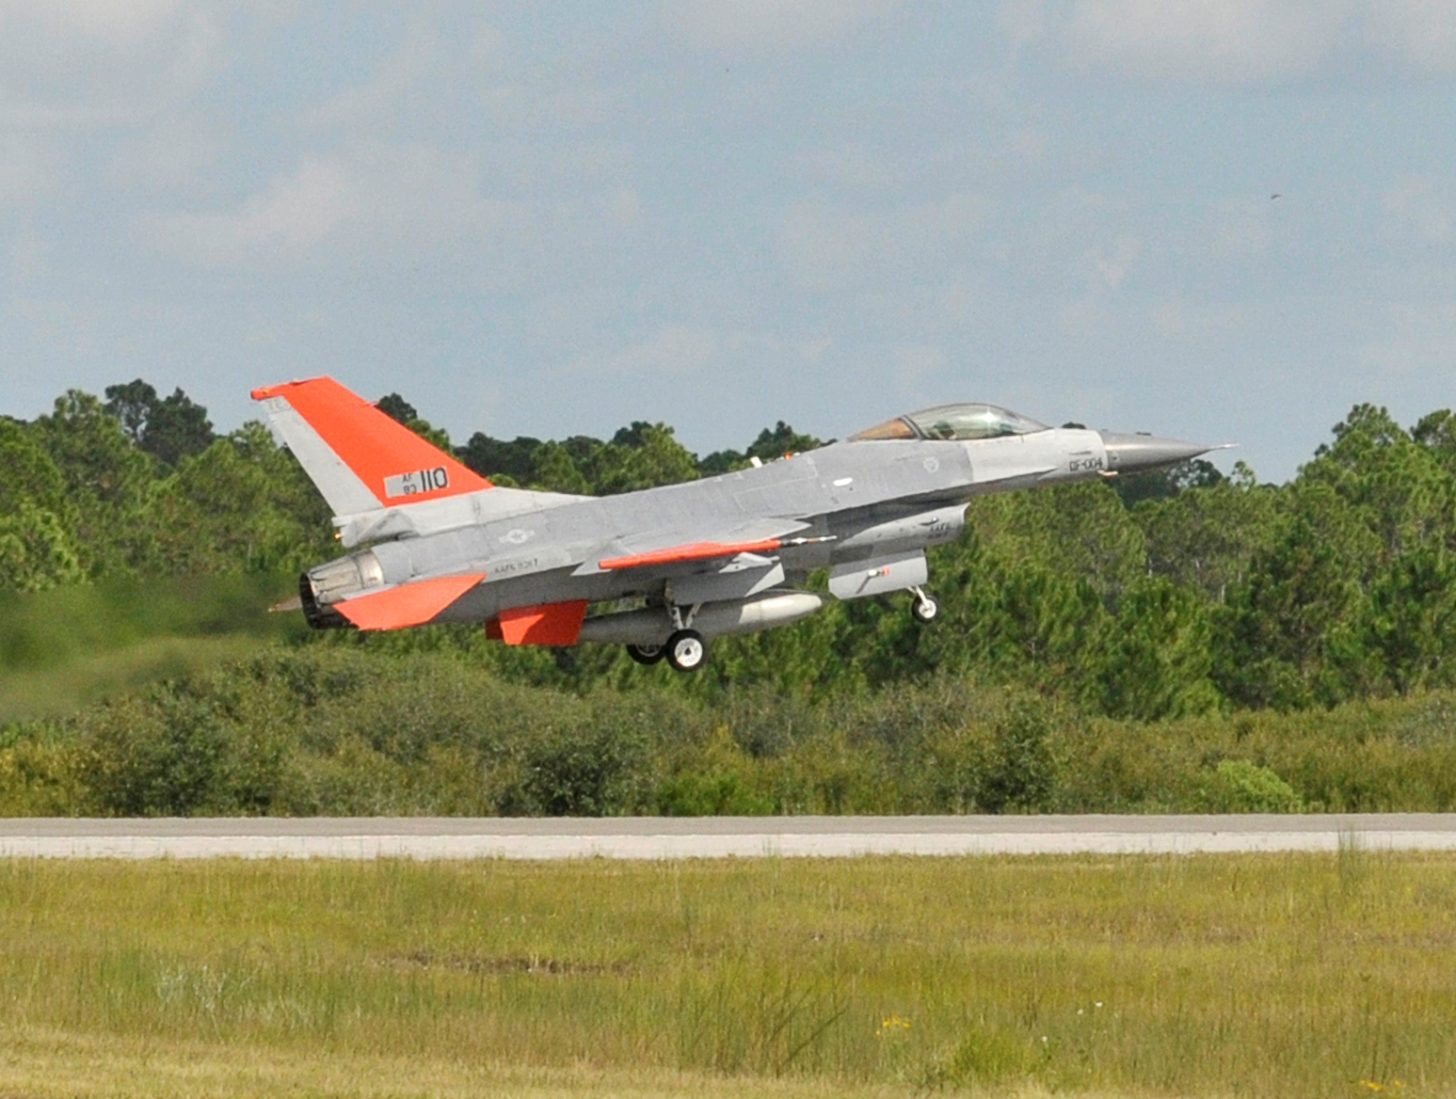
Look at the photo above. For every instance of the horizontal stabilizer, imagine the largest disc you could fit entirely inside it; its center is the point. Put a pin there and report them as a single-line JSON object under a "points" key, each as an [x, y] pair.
{"points": [[411, 604]]}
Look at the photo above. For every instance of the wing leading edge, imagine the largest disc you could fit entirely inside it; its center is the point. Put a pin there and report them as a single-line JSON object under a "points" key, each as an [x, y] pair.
{"points": [[666, 549]]}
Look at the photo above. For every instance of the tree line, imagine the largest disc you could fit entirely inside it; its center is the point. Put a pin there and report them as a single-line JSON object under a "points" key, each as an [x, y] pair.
{"points": [[1159, 596]]}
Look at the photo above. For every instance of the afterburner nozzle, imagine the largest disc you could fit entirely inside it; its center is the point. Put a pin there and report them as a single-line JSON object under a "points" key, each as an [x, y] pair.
{"points": [[1129, 453]]}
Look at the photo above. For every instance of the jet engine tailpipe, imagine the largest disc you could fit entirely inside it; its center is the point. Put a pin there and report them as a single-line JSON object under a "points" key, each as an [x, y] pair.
{"points": [[319, 588], [651, 626]]}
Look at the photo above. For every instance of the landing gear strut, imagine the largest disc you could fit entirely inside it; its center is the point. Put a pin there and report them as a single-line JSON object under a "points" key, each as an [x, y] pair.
{"points": [[925, 608], [685, 649]]}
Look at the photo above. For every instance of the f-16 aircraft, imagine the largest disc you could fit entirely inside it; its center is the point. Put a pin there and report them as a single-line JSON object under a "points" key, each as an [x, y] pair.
{"points": [[704, 559]]}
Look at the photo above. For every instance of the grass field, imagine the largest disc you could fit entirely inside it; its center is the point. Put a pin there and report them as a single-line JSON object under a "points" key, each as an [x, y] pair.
{"points": [[1244, 975]]}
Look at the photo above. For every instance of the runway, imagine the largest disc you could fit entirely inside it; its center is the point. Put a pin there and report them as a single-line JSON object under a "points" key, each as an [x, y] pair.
{"points": [[714, 837]]}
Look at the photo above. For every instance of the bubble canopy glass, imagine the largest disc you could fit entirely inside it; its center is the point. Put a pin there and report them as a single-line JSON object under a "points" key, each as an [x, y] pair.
{"points": [[953, 421]]}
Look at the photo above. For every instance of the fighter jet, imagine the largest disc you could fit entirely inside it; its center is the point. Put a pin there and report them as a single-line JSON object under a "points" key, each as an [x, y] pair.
{"points": [[667, 569]]}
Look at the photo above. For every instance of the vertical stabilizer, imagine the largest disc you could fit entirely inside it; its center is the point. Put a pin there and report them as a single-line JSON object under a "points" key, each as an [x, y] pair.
{"points": [[359, 458]]}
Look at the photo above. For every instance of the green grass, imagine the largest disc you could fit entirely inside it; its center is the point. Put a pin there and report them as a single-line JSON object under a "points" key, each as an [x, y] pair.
{"points": [[1254, 975]]}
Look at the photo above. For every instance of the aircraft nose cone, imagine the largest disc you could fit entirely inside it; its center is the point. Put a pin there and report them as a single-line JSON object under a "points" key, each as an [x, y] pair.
{"points": [[1133, 452]]}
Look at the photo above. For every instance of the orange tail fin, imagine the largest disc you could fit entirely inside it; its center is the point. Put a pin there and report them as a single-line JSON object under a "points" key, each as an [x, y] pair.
{"points": [[360, 458]]}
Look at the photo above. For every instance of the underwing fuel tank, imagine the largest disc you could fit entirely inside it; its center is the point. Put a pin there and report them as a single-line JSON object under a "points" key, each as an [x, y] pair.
{"points": [[651, 626]]}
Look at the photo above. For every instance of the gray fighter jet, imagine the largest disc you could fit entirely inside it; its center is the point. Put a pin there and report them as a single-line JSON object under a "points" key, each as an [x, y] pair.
{"points": [[724, 555]]}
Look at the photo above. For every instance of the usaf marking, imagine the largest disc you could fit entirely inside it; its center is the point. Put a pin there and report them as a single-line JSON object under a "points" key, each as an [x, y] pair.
{"points": [[417, 482]]}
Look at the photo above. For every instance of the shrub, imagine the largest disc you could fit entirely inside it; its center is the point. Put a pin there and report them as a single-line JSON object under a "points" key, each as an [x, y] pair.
{"points": [[1241, 786]]}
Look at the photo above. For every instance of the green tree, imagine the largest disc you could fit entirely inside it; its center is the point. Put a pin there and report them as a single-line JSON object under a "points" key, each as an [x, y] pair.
{"points": [[1080, 531], [109, 481], [499, 460], [30, 474], [1164, 484], [1290, 633], [132, 403], [780, 440], [178, 428], [1437, 433], [553, 471], [36, 550], [1204, 538], [169, 428], [642, 456], [397, 408], [1155, 658], [226, 510], [1410, 619]]}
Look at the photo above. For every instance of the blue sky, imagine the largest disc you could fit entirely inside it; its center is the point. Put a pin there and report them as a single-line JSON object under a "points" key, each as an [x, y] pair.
{"points": [[555, 219]]}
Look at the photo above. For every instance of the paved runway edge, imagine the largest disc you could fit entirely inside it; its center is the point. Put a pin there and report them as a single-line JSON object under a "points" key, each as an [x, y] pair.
{"points": [[715, 837]]}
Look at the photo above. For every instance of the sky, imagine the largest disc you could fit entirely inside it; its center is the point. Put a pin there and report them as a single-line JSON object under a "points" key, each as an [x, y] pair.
{"points": [[1221, 221]]}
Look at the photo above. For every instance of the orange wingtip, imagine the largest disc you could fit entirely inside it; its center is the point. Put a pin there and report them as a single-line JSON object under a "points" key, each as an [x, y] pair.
{"points": [[407, 605], [694, 551]]}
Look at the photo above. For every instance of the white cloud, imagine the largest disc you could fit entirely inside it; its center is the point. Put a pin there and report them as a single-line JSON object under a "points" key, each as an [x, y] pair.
{"points": [[678, 350], [1218, 41], [1420, 337], [172, 154], [671, 350], [854, 166], [825, 246], [771, 25], [1236, 42], [915, 362], [1417, 208], [1240, 228], [1420, 32], [28, 169], [100, 61], [1112, 262], [1182, 319], [378, 200]]}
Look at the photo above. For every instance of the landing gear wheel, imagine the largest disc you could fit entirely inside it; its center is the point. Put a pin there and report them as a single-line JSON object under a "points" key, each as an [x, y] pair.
{"points": [[686, 650], [646, 654], [924, 609]]}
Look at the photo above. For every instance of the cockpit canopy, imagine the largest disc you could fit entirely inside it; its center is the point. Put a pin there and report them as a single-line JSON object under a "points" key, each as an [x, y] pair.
{"points": [[952, 421]]}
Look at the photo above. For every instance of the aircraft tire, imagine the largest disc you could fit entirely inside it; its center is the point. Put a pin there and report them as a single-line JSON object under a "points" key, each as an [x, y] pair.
{"points": [[924, 610], [686, 651], [646, 654]]}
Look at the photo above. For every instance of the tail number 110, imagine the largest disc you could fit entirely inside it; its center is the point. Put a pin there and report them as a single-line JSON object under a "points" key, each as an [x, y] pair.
{"points": [[417, 482]]}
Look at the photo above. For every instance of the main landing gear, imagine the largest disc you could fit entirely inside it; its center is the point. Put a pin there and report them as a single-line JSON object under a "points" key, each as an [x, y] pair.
{"points": [[686, 650], [646, 654], [925, 608]]}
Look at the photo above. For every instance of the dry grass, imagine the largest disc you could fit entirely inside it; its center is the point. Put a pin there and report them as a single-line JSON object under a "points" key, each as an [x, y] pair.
{"points": [[1252, 975]]}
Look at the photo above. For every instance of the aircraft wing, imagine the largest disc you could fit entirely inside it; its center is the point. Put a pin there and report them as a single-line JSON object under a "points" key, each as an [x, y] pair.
{"points": [[693, 546]]}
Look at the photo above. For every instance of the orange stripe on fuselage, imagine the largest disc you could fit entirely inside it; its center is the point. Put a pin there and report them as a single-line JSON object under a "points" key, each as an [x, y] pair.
{"points": [[374, 446], [411, 604], [695, 551], [547, 624]]}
